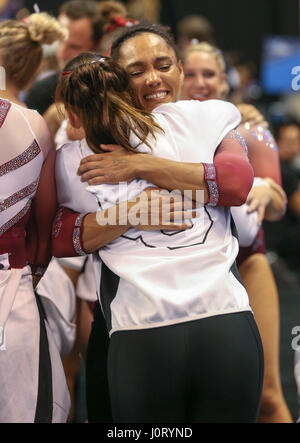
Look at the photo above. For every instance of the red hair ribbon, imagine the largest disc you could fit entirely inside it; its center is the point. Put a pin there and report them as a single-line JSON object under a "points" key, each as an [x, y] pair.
{"points": [[107, 54], [65, 73], [120, 22], [25, 20]]}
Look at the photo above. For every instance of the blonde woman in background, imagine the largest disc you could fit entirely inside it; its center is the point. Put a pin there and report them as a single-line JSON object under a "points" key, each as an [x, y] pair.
{"points": [[205, 79], [21, 50], [33, 385]]}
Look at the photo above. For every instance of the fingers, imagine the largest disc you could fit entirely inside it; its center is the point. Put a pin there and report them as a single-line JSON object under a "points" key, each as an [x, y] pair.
{"points": [[180, 216], [162, 209], [88, 166], [92, 158], [276, 187], [265, 124], [253, 205], [260, 214], [94, 177], [175, 227], [251, 115]]}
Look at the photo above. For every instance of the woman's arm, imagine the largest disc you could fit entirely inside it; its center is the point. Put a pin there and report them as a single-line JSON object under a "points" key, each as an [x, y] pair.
{"points": [[232, 171], [246, 224], [269, 198], [262, 152], [79, 234], [43, 211], [76, 234]]}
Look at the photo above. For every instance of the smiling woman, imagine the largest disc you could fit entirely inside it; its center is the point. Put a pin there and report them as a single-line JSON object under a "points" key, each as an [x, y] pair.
{"points": [[156, 74], [204, 73]]}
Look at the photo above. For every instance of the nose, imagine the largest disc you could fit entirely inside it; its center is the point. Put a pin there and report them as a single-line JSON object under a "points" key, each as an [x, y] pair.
{"points": [[153, 78], [199, 81]]}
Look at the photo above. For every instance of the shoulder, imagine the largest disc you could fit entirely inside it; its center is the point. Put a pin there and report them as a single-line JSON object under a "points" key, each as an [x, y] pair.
{"points": [[67, 162], [258, 133], [221, 107], [39, 128], [32, 115], [68, 150], [35, 119], [208, 108]]}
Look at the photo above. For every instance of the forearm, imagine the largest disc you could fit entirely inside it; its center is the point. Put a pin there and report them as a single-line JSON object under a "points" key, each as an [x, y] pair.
{"points": [[95, 236], [77, 234], [276, 208], [173, 175], [80, 234], [225, 182]]}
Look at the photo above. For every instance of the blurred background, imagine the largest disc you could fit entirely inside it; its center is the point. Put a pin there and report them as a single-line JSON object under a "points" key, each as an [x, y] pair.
{"points": [[260, 39]]}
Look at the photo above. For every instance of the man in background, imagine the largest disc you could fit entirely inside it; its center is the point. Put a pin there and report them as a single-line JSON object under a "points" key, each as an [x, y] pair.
{"points": [[85, 31]]}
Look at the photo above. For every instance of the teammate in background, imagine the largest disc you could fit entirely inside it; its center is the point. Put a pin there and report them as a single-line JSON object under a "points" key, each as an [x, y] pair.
{"points": [[85, 31], [21, 50], [205, 79], [34, 387]]}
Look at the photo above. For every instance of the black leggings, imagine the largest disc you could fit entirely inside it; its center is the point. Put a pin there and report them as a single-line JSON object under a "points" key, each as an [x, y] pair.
{"points": [[205, 371], [97, 392]]}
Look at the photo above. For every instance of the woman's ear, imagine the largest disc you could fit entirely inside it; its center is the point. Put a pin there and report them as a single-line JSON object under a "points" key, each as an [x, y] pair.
{"points": [[74, 119]]}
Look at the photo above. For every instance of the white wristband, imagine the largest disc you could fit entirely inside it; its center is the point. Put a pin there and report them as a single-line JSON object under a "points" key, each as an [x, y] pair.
{"points": [[258, 181]]}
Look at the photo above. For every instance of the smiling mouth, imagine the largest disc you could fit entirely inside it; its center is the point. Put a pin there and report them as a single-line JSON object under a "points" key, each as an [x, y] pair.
{"points": [[156, 96], [199, 97]]}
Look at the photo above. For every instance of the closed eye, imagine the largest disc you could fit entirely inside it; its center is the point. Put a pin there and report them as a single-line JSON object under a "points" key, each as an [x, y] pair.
{"points": [[135, 73], [165, 67]]}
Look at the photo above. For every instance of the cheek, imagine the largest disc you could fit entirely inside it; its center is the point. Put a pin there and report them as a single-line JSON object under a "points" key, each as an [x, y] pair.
{"points": [[135, 86], [60, 50], [215, 87], [174, 82], [188, 83]]}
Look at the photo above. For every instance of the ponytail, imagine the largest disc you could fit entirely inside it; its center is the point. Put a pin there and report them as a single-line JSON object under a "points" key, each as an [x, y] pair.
{"points": [[21, 45], [97, 90]]}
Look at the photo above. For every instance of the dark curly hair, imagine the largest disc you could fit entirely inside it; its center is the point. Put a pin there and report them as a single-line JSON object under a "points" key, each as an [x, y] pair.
{"points": [[141, 28]]}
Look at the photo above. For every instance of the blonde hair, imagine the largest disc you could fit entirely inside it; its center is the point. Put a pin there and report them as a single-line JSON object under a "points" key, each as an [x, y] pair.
{"points": [[21, 45], [209, 49], [212, 50]]}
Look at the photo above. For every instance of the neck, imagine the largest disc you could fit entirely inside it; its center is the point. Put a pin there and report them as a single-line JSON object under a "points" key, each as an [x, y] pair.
{"points": [[12, 93]]}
